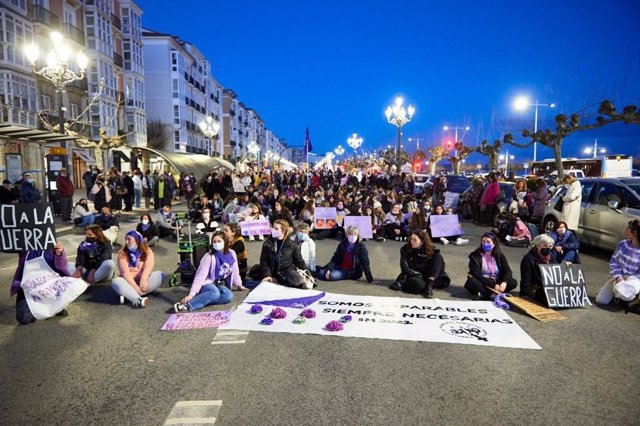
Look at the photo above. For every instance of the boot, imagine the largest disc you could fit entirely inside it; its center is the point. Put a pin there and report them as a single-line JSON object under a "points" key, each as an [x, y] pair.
{"points": [[428, 292]]}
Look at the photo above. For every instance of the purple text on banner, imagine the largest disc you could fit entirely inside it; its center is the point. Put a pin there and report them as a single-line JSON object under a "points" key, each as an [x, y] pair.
{"points": [[255, 227], [196, 320], [447, 225]]}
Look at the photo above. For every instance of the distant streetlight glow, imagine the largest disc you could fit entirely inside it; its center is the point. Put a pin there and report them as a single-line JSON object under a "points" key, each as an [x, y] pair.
{"points": [[521, 103], [595, 150]]}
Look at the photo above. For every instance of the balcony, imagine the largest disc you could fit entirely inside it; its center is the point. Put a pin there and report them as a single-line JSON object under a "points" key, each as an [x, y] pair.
{"points": [[74, 33], [42, 16], [117, 59], [116, 22]]}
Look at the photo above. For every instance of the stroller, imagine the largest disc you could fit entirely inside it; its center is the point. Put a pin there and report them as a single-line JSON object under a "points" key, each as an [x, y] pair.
{"points": [[190, 252]]}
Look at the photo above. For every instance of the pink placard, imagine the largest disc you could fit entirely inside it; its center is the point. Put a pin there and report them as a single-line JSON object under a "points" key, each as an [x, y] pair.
{"points": [[255, 227], [190, 321]]}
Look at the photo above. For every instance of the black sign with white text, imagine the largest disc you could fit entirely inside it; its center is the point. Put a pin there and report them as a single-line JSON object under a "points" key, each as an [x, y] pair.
{"points": [[27, 226], [564, 285]]}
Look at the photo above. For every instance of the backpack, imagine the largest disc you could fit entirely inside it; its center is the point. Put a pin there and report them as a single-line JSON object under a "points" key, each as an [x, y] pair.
{"points": [[533, 230]]}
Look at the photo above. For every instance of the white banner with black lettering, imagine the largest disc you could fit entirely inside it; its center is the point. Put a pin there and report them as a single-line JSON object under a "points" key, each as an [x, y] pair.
{"points": [[274, 308]]}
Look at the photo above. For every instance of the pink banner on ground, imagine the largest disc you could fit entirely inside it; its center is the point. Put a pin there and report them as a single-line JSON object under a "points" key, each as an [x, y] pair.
{"points": [[190, 321]]}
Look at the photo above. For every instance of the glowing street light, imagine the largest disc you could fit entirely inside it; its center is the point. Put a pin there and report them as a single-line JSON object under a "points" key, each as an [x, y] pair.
{"points": [[521, 103], [506, 157], [399, 116], [595, 150]]}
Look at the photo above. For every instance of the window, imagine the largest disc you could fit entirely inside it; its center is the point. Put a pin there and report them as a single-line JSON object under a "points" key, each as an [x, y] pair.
{"points": [[74, 110], [45, 102], [606, 192], [629, 199]]}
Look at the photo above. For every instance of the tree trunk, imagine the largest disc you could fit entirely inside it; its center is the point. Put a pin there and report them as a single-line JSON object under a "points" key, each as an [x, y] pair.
{"points": [[557, 153], [456, 166], [493, 161]]}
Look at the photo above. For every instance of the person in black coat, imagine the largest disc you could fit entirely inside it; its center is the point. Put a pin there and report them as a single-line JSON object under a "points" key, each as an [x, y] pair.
{"points": [[489, 268], [280, 257], [148, 230], [565, 244], [349, 261], [421, 266], [127, 183], [93, 259], [531, 283]]}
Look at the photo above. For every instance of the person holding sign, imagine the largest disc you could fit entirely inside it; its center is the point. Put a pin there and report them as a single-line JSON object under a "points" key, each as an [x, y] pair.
{"points": [[109, 224], [421, 266], [137, 278], [349, 261], [531, 283], [93, 259], [393, 223], [255, 214], [280, 257], [489, 269], [565, 244], [216, 276]]}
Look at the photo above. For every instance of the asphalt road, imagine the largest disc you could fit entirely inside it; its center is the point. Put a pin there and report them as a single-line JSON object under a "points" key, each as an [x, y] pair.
{"points": [[107, 364]]}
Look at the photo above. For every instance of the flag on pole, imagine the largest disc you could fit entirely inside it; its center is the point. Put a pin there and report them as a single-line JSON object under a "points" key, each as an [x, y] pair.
{"points": [[307, 145]]}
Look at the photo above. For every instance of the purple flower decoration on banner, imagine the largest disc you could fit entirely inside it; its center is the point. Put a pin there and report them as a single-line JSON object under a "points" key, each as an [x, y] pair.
{"points": [[299, 320], [345, 319], [278, 313], [308, 313], [266, 321], [255, 309], [334, 326]]}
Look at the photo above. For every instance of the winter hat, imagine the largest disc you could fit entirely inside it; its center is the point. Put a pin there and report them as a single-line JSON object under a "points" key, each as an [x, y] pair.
{"points": [[377, 204], [135, 235]]}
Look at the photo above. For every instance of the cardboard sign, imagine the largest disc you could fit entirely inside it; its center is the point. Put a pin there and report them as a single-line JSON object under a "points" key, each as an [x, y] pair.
{"points": [[538, 312], [27, 226], [363, 223], [325, 217], [564, 285], [447, 225], [451, 199], [255, 227], [195, 320]]}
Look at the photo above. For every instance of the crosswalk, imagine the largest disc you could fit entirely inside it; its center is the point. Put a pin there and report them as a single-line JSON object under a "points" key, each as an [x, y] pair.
{"points": [[194, 413], [230, 337]]}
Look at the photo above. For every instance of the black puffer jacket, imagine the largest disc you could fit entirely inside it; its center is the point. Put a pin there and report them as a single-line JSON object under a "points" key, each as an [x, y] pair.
{"points": [[91, 258], [280, 263], [504, 270]]}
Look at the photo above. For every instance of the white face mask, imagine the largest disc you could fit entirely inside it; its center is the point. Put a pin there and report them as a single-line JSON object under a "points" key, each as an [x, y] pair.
{"points": [[276, 234], [145, 221], [352, 238], [205, 216], [218, 246]]}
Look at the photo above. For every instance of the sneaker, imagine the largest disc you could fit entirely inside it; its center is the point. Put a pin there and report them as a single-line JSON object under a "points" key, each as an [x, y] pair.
{"points": [[462, 241], [397, 238], [180, 307], [508, 238], [444, 240], [261, 238], [380, 239], [122, 300], [251, 238], [141, 302]]}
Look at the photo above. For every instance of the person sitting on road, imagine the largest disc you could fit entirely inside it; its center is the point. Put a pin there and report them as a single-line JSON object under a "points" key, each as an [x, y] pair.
{"points": [[565, 244], [109, 224], [393, 223], [137, 277], [307, 246], [489, 269], [216, 276], [281, 212], [419, 219], [440, 211], [421, 266], [236, 243], [93, 258], [377, 218], [280, 257], [167, 222], [81, 215], [519, 235], [207, 225], [531, 284], [148, 230], [349, 261]]}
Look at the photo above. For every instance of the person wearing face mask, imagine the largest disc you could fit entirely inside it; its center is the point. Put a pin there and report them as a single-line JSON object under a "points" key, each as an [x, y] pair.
{"points": [[109, 224], [167, 222], [28, 191], [350, 260], [81, 215], [421, 266], [148, 230], [236, 243], [216, 276], [531, 284], [101, 193], [65, 192], [255, 214], [137, 277], [93, 257], [572, 201], [565, 244], [488, 269], [307, 246], [393, 222], [280, 257]]}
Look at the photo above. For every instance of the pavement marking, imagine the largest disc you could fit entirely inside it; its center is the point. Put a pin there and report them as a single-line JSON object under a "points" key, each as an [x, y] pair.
{"points": [[194, 412], [230, 337]]}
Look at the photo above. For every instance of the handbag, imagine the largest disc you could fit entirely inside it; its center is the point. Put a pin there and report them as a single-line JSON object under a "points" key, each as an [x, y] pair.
{"points": [[307, 280]]}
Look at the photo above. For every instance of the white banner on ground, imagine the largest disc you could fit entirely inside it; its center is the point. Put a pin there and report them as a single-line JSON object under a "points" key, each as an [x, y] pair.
{"points": [[471, 323]]}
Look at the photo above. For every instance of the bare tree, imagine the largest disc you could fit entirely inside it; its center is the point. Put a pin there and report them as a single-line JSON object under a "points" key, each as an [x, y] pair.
{"points": [[437, 153], [491, 151], [461, 152]]}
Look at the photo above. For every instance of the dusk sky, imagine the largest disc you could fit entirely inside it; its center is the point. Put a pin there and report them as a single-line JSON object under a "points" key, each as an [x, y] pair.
{"points": [[335, 65]]}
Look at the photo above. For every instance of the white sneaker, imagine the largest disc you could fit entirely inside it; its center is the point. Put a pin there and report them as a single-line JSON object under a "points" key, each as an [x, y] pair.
{"points": [[261, 237], [508, 238], [444, 240], [122, 300], [462, 241], [143, 302], [251, 238]]}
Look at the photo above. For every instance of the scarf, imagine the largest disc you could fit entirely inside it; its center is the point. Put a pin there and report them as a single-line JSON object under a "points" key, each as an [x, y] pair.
{"points": [[134, 257], [144, 227], [84, 245], [224, 261]]}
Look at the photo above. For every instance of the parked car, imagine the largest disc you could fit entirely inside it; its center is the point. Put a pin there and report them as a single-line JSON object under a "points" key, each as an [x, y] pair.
{"points": [[608, 204], [420, 180], [504, 199], [455, 183]]}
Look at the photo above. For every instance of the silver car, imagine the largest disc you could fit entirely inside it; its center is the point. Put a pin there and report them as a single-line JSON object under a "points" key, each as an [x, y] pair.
{"points": [[608, 204]]}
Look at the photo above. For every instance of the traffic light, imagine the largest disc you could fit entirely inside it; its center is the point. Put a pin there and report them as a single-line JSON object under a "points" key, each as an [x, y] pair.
{"points": [[449, 145]]}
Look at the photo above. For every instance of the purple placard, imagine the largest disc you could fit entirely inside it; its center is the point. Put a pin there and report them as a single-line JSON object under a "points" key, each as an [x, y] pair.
{"points": [[196, 320], [255, 227], [324, 217], [447, 225], [363, 223]]}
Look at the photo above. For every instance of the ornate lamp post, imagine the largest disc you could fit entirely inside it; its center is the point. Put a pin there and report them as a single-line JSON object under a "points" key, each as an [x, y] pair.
{"points": [[339, 151], [254, 149], [399, 116], [521, 103], [58, 69], [210, 128], [355, 141]]}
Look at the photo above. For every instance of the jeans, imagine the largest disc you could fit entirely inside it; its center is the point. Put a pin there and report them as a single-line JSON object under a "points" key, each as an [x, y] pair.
{"points": [[104, 272], [335, 275], [137, 193], [123, 288], [153, 241], [86, 220], [210, 294]]}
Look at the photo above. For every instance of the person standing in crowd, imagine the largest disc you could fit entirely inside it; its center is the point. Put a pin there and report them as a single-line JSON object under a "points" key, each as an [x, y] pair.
{"points": [[280, 257], [162, 195], [65, 193], [147, 188], [93, 258], [127, 191], [109, 224], [89, 179], [216, 276], [81, 215], [572, 201], [137, 277], [137, 188], [565, 244], [307, 246], [101, 193], [188, 189], [8, 195], [540, 198], [475, 193], [117, 189], [421, 266], [148, 230], [236, 243], [531, 284], [489, 199], [350, 260], [28, 191], [489, 269]]}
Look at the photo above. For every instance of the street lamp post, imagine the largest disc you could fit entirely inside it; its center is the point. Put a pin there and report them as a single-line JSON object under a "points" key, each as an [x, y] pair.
{"points": [[399, 116], [506, 157], [417, 140], [455, 129], [521, 103], [355, 141], [595, 150], [58, 69], [210, 128], [339, 151], [254, 149]]}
